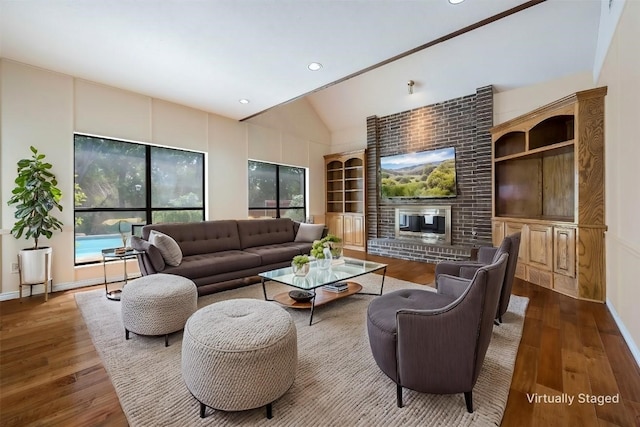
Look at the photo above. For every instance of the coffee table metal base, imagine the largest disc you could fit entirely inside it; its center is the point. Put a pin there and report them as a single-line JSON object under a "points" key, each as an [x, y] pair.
{"points": [[321, 296]]}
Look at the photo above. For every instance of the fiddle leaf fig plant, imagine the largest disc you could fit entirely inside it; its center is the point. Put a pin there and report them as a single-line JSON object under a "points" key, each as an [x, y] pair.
{"points": [[35, 195]]}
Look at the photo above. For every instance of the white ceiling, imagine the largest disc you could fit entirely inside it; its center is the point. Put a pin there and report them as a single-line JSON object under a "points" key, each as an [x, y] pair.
{"points": [[209, 54]]}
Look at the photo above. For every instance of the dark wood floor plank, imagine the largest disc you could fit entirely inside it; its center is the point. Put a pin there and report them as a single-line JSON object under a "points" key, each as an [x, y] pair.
{"points": [[576, 381], [550, 359]]}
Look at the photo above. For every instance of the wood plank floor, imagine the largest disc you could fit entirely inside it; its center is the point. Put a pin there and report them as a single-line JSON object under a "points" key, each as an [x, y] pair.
{"points": [[50, 373]]}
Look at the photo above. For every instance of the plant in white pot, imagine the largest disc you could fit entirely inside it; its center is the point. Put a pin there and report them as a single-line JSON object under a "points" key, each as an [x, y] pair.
{"points": [[35, 195]]}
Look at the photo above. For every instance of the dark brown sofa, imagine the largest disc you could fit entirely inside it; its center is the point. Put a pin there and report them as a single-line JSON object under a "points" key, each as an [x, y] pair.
{"points": [[225, 254]]}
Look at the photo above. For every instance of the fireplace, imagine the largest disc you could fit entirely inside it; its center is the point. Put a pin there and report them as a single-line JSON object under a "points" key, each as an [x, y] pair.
{"points": [[427, 224]]}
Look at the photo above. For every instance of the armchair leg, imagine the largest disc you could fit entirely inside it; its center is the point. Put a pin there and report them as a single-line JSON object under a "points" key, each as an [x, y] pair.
{"points": [[468, 399], [399, 395]]}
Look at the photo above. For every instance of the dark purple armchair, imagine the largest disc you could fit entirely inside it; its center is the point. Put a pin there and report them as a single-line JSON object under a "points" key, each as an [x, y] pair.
{"points": [[487, 255], [435, 342]]}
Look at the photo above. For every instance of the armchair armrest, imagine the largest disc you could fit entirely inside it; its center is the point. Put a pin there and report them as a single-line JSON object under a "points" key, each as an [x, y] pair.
{"points": [[455, 268], [486, 254], [452, 286], [443, 339], [467, 271], [448, 267]]}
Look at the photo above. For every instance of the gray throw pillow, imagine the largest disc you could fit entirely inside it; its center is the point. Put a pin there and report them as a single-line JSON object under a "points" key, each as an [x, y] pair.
{"points": [[167, 246], [309, 232], [152, 252]]}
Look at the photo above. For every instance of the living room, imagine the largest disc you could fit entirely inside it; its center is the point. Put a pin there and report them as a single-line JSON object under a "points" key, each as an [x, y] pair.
{"points": [[45, 108]]}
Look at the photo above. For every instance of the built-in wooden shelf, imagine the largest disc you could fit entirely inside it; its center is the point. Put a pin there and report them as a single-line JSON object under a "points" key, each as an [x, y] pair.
{"points": [[548, 184]]}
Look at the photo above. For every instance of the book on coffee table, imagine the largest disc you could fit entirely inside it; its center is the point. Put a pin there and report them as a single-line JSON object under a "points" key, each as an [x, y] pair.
{"points": [[336, 287]]}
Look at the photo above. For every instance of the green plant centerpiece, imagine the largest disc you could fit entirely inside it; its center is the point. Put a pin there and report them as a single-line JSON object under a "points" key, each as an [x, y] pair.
{"points": [[35, 195], [330, 241], [300, 265], [326, 249]]}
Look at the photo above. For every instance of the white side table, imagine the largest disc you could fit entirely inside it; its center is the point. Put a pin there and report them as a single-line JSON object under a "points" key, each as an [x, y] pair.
{"points": [[111, 255]]}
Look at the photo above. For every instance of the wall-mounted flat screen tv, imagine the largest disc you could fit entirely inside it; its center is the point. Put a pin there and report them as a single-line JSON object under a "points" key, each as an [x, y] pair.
{"points": [[428, 174]]}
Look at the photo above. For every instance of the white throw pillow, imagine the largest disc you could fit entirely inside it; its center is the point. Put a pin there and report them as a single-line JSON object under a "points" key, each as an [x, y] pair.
{"points": [[309, 232], [167, 246]]}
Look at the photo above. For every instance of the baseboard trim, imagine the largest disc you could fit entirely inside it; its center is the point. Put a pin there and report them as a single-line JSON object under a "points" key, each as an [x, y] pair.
{"points": [[633, 347], [57, 287]]}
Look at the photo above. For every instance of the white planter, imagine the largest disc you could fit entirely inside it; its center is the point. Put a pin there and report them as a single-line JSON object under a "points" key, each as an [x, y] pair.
{"points": [[35, 265]]}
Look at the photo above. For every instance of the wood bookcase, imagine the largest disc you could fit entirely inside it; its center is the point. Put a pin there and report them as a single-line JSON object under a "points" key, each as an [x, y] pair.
{"points": [[346, 188], [548, 183]]}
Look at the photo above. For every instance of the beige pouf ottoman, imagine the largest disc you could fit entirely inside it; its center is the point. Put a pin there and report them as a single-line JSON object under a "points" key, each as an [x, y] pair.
{"points": [[239, 354], [158, 304]]}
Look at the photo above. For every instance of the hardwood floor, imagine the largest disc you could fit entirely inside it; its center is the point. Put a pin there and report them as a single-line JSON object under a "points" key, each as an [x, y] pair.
{"points": [[50, 373]]}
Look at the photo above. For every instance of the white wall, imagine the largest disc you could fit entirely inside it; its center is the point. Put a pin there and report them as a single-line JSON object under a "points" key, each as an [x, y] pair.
{"points": [[42, 108], [620, 73], [513, 103]]}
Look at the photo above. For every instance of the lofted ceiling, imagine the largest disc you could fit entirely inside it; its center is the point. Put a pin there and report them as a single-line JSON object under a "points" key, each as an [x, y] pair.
{"points": [[209, 54]]}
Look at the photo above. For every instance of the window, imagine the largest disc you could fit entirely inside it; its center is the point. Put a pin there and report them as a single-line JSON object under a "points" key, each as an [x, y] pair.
{"points": [[277, 191], [120, 185]]}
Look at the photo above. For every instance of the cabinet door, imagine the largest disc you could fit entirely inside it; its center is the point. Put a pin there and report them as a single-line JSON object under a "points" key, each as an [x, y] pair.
{"points": [[540, 246], [358, 231], [564, 251], [349, 234], [334, 222], [497, 232], [518, 227]]}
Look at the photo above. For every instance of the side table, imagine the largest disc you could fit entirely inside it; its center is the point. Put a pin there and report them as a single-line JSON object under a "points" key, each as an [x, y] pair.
{"points": [[111, 255]]}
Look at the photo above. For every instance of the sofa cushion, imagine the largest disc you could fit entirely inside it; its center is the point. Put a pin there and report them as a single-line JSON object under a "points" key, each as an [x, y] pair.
{"points": [[168, 247], [203, 265], [272, 254], [309, 232], [262, 232], [200, 237]]}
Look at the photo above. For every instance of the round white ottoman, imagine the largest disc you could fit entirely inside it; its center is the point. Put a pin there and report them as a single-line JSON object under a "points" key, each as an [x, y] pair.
{"points": [[158, 304], [239, 354]]}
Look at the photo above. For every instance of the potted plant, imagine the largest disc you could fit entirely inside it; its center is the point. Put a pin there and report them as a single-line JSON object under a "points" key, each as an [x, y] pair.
{"points": [[325, 249], [300, 265], [35, 195]]}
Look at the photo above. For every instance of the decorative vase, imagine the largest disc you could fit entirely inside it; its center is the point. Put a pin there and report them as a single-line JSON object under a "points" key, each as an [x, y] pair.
{"points": [[336, 250], [300, 270], [325, 263]]}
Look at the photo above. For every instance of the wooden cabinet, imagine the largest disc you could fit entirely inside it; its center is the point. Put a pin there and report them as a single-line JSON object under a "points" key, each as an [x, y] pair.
{"points": [[346, 189], [548, 182]]}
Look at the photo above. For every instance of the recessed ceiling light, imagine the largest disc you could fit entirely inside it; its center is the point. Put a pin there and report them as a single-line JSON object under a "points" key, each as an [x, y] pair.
{"points": [[243, 101], [455, 1], [314, 66]]}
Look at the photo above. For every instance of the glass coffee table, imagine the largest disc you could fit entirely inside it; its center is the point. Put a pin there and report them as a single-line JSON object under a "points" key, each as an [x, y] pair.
{"points": [[342, 270]]}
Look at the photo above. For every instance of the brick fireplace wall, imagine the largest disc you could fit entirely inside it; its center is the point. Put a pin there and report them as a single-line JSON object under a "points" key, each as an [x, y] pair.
{"points": [[463, 123]]}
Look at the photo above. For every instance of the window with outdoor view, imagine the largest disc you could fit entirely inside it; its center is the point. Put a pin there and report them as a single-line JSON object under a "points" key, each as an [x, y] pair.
{"points": [[277, 191], [119, 184]]}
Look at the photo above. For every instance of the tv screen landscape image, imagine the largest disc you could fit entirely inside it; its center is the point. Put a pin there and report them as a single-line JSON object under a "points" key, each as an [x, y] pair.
{"points": [[428, 174]]}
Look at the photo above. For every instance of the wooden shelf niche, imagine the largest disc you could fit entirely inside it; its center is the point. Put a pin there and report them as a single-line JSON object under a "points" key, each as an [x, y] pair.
{"points": [[548, 182], [345, 181]]}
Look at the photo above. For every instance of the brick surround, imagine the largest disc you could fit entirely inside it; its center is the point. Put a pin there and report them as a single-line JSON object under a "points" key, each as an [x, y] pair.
{"points": [[463, 123]]}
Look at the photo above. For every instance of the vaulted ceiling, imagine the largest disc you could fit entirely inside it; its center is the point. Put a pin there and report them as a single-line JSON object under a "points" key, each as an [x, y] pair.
{"points": [[210, 54]]}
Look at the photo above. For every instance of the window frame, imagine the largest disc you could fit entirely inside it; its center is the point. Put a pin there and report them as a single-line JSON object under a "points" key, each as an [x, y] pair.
{"points": [[148, 209], [278, 208]]}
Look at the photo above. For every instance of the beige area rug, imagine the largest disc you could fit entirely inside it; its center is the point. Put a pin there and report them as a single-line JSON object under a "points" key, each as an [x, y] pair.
{"points": [[337, 384]]}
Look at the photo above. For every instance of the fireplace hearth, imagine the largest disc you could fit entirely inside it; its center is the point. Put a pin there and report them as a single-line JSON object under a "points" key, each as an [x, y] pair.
{"points": [[426, 224]]}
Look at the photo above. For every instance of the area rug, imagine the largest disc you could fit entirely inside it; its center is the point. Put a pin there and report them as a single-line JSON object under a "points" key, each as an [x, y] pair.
{"points": [[337, 383]]}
